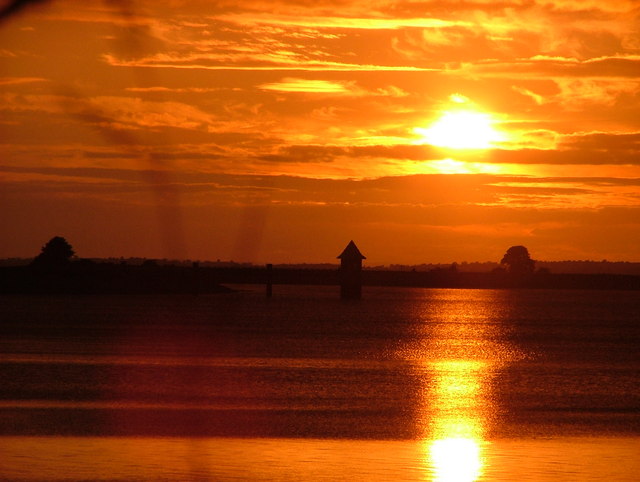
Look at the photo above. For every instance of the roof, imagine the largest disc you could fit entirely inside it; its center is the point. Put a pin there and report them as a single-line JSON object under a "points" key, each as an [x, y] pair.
{"points": [[352, 251]]}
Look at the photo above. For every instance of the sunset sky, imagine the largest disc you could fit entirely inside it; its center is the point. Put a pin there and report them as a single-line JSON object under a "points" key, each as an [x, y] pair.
{"points": [[277, 131]]}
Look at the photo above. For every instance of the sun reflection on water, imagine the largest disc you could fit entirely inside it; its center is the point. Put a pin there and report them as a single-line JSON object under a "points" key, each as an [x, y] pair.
{"points": [[458, 400], [462, 348], [456, 459]]}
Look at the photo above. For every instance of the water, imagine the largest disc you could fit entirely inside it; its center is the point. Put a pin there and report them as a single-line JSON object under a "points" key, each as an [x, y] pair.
{"points": [[406, 384]]}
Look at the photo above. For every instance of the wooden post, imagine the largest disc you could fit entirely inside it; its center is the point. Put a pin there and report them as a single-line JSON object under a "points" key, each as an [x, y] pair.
{"points": [[269, 280], [195, 278]]}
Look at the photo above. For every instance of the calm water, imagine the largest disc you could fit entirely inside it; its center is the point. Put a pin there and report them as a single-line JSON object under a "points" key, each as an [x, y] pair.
{"points": [[406, 384]]}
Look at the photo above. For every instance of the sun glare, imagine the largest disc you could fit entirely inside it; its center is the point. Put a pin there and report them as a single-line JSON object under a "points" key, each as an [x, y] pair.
{"points": [[461, 129], [456, 460]]}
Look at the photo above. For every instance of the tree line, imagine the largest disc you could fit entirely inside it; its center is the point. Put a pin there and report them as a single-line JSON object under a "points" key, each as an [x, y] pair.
{"points": [[58, 252]]}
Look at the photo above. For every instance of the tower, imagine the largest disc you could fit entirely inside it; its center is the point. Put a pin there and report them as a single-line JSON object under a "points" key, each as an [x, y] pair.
{"points": [[351, 272]]}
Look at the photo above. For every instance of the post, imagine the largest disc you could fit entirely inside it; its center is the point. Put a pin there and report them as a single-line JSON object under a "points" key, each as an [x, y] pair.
{"points": [[195, 278], [269, 280]]}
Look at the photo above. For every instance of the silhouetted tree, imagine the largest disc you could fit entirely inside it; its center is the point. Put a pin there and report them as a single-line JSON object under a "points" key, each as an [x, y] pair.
{"points": [[57, 252], [518, 261]]}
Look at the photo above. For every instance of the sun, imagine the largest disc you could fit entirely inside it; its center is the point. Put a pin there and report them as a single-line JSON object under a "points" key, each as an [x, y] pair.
{"points": [[461, 129]]}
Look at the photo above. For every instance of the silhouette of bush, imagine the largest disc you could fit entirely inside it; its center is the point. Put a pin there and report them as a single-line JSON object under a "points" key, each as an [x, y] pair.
{"points": [[57, 252], [517, 261]]}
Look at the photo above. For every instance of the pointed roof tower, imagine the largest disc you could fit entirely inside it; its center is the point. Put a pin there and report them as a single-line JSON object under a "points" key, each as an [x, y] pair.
{"points": [[351, 252]]}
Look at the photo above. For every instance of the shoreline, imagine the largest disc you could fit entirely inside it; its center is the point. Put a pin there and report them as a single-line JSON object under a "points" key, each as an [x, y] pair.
{"points": [[125, 279]]}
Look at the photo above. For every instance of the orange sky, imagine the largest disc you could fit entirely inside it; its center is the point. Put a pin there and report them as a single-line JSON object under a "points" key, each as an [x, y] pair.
{"points": [[276, 131]]}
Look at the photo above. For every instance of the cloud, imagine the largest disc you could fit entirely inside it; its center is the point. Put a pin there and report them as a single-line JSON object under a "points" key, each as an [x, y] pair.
{"points": [[274, 105], [330, 153], [291, 84], [557, 157], [485, 212], [118, 112], [399, 191], [20, 80], [137, 112], [328, 87], [256, 41], [259, 61], [337, 22], [612, 68], [578, 94], [175, 90], [609, 141], [584, 149]]}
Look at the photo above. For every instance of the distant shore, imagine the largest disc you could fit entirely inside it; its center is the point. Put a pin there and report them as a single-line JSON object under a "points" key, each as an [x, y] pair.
{"points": [[79, 278]]}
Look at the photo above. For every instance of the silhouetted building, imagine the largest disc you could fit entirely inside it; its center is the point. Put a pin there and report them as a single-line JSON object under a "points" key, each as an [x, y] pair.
{"points": [[351, 272]]}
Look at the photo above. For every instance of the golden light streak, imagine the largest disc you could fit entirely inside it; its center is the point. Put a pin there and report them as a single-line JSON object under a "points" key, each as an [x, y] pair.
{"points": [[457, 388], [455, 452], [340, 22], [290, 84]]}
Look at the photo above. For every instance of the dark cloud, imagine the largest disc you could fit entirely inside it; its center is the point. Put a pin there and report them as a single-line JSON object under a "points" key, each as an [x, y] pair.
{"points": [[603, 141], [11, 8], [398, 191], [591, 149], [329, 153], [601, 156]]}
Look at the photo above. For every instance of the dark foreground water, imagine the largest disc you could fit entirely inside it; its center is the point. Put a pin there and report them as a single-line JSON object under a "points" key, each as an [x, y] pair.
{"points": [[406, 384]]}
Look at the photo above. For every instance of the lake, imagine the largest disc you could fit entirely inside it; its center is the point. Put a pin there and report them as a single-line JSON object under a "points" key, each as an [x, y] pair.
{"points": [[405, 384]]}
